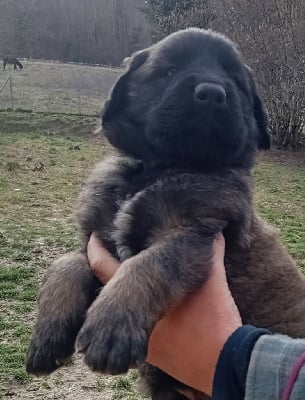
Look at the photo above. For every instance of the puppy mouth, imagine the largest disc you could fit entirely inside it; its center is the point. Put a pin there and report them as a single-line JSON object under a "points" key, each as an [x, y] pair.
{"points": [[196, 133], [187, 124]]}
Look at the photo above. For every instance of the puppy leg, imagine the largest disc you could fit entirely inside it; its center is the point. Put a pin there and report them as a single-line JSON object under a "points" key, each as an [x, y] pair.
{"points": [[67, 291], [115, 334]]}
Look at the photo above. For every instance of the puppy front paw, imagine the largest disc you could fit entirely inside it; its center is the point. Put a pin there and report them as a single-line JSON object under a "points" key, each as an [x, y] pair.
{"points": [[113, 338]]}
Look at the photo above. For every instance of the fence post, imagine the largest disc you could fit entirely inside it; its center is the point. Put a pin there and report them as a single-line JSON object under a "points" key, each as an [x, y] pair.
{"points": [[79, 93], [79, 101], [11, 89]]}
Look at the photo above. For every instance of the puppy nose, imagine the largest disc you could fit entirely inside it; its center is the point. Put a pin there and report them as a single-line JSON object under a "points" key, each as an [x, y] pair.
{"points": [[210, 94]]}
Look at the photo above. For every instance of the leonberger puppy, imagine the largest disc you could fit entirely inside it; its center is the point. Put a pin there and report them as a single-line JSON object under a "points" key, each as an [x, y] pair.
{"points": [[187, 122]]}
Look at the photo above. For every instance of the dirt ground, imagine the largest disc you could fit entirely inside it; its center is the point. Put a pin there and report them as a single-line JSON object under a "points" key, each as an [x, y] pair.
{"points": [[72, 382], [77, 382]]}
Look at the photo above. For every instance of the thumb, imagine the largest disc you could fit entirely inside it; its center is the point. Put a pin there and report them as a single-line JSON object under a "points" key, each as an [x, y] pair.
{"points": [[103, 265]]}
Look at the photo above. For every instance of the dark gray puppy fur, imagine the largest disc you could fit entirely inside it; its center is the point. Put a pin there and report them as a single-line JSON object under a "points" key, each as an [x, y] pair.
{"points": [[187, 121]]}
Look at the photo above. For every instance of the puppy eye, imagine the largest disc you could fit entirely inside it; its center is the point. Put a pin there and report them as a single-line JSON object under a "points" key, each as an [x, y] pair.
{"points": [[171, 71]]}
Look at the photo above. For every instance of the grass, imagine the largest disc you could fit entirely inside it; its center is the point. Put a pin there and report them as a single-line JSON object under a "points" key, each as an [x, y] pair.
{"points": [[279, 197], [36, 219], [123, 388], [35, 224], [57, 87]]}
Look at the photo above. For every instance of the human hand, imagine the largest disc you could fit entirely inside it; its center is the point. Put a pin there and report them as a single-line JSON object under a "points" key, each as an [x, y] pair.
{"points": [[187, 342]]}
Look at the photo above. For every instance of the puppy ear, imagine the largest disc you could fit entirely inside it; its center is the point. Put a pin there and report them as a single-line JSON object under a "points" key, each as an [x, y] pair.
{"points": [[118, 93], [260, 114]]}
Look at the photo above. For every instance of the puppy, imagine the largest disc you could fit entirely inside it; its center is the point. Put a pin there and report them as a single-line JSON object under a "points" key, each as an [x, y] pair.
{"points": [[187, 122]]}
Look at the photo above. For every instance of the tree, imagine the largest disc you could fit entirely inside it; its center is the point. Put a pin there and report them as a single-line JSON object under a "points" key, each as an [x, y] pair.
{"points": [[91, 31], [271, 36], [168, 16]]}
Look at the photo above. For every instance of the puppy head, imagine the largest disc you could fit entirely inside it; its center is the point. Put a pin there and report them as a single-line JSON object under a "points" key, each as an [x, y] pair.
{"points": [[189, 99]]}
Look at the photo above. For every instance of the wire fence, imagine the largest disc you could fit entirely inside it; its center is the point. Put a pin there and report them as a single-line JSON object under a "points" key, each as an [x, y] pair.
{"points": [[43, 86]]}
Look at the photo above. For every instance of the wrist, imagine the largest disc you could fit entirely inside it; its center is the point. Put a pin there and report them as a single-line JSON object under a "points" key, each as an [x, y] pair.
{"points": [[221, 320], [207, 359]]}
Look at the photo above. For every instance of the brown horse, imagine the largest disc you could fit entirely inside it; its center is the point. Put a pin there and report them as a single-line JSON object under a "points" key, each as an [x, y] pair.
{"points": [[12, 61]]}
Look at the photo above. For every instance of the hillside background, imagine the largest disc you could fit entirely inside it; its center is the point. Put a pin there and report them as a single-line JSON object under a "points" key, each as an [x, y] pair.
{"points": [[270, 34], [91, 31]]}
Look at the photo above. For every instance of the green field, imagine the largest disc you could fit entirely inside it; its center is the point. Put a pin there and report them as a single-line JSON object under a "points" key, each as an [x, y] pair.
{"points": [[57, 87], [43, 161], [42, 166]]}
